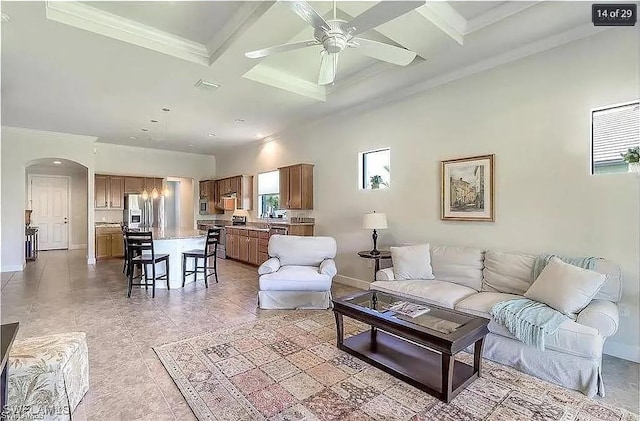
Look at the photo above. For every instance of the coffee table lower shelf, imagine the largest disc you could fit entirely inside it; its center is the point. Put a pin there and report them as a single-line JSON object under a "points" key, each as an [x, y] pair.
{"points": [[416, 365]]}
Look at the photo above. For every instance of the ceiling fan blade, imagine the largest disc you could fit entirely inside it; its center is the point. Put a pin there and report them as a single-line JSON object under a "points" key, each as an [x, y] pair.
{"points": [[385, 52], [380, 13], [308, 14], [328, 68], [281, 48]]}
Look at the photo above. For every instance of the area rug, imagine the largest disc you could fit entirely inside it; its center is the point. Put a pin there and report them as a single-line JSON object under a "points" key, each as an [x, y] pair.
{"points": [[288, 368]]}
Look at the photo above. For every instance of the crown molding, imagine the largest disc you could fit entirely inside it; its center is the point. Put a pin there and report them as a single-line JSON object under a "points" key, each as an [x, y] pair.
{"points": [[279, 79], [91, 19], [24, 131], [497, 14]]}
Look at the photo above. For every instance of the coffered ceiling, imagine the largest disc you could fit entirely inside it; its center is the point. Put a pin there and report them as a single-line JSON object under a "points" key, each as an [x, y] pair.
{"points": [[106, 69]]}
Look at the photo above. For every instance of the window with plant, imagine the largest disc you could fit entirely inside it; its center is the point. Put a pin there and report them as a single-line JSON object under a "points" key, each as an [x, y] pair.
{"points": [[375, 170], [269, 195], [615, 138]]}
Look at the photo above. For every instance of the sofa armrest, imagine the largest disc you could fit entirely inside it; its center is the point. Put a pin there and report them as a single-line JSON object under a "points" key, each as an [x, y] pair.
{"points": [[328, 267], [601, 315], [270, 266], [385, 274]]}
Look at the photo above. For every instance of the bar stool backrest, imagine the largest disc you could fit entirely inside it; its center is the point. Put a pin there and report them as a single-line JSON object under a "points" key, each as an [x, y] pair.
{"points": [[139, 241], [213, 238]]}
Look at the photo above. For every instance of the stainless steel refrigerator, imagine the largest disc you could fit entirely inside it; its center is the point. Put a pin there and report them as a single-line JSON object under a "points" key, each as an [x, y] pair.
{"points": [[152, 210]]}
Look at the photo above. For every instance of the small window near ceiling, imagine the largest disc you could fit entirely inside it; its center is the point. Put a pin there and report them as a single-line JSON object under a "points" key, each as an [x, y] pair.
{"points": [[614, 130], [269, 194], [375, 172]]}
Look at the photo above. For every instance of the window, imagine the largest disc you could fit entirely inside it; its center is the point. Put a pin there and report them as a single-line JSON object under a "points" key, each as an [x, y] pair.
{"points": [[374, 169], [614, 130], [269, 194]]}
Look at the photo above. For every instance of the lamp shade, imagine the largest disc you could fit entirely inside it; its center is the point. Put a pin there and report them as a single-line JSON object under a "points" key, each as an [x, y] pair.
{"points": [[374, 221]]}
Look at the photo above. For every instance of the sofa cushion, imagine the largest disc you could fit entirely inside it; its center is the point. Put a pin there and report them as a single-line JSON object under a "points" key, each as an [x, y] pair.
{"points": [[612, 288], [571, 338], [295, 278], [480, 304], [411, 262], [445, 294], [565, 287], [507, 272], [460, 265], [303, 251]]}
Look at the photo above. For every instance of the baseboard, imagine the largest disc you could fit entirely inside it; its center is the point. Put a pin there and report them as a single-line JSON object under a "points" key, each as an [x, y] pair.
{"points": [[77, 246], [353, 282], [12, 268], [624, 351]]}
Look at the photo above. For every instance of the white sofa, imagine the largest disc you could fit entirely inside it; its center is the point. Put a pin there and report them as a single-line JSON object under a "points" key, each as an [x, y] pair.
{"points": [[298, 274], [473, 280]]}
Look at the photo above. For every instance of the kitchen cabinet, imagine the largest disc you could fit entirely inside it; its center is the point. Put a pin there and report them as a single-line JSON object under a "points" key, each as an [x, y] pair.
{"points": [[296, 187], [108, 192], [152, 183], [101, 190], [241, 186], [204, 189], [109, 243], [133, 185], [116, 192], [244, 248], [253, 250]]}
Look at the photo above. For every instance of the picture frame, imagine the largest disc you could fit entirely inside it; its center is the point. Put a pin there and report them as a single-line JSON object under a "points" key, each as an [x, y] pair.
{"points": [[468, 189]]}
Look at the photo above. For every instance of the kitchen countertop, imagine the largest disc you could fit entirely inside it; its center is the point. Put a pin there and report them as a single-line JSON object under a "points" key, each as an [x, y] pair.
{"points": [[107, 225], [176, 233], [248, 228]]}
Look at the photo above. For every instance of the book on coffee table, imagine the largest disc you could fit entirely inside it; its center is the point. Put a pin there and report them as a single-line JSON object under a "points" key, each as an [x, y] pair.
{"points": [[408, 309]]}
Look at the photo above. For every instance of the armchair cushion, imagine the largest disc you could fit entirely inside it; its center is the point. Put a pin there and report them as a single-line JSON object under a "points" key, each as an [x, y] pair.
{"points": [[328, 267], [301, 251], [270, 266], [295, 278]]}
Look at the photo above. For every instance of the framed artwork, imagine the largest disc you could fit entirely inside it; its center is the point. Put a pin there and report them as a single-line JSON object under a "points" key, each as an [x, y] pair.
{"points": [[467, 189]]}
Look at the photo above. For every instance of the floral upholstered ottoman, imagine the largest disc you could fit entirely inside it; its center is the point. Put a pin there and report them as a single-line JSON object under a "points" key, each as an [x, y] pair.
{"points": [[48, 376]]}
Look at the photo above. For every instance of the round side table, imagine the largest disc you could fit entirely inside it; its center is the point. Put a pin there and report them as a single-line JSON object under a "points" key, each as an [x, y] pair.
{"points": [[377, 258]]}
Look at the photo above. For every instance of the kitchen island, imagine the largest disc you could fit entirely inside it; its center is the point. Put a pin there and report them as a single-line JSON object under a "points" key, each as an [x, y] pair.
{"points": [[173, 242]]}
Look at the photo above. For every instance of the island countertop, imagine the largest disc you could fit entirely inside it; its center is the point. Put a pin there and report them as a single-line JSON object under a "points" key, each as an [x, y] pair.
{"points": [[176, 233]]}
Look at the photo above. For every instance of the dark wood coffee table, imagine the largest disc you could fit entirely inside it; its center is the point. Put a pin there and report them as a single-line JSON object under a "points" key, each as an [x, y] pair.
{"points": [[420, 350]]}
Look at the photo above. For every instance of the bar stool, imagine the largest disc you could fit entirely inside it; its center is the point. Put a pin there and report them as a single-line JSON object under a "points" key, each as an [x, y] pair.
{"points": [[209, 250], [137, 244]]}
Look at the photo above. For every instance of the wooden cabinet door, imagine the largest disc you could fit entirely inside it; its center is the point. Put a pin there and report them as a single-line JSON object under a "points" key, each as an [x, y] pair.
{"points": [[284, 188], [307, 186], [116, 192], [202, 187], [244, 248], [295, 187], [253, 250], [117, 245], [262, 257], [157, 183], [148, 184], [133, 185], [103, 245], [216, 195], [236, 246], [101, 190], [228, 245]]}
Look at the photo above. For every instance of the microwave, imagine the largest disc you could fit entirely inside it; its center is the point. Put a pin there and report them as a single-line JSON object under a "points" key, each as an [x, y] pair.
{"points": [[204, 207]]}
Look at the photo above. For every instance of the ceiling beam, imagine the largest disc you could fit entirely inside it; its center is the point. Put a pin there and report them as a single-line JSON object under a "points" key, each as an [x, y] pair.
{"points": [[497, 14], [279, 79], [446, 18]]}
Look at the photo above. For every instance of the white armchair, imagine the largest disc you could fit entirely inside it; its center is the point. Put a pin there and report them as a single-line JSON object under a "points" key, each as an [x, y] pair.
{"points": [[298, 274]]}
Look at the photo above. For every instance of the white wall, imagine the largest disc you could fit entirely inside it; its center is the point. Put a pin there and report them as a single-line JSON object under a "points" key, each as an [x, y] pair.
{"points": [[20, 147], [533, 114], [78, 209]]}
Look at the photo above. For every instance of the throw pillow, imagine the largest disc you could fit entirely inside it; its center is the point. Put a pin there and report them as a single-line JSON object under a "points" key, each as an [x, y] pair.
{"points": [[411, 262], [564, 287]]}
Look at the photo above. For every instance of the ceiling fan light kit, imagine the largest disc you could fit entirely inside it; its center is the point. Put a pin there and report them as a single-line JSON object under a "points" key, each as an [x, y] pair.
{"points": [[335, 35]]}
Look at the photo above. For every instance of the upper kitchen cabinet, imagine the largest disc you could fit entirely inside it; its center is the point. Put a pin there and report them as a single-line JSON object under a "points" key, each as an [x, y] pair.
{"points": [[152, 183], [109, 192], [241, 186], [133, 185], [296, 187]]}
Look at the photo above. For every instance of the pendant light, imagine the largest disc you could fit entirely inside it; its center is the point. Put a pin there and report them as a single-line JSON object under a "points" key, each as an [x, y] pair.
{"points": [[154, 193], [145, 194]]}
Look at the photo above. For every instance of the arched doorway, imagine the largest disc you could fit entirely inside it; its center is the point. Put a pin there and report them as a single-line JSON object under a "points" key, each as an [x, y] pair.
{"points": [[56, 192]]}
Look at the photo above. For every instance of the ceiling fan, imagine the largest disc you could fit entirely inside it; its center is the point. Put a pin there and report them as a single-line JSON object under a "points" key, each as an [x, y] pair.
{"points": [[335, 35]]}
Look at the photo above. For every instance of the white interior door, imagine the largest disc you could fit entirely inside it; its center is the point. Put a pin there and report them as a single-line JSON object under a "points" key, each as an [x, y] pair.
{"points": [[50, 204]]}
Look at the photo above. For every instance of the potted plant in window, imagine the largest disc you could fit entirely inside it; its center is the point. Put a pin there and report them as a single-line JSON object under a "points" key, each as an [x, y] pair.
{"points": [[632, 158], [376, 181]]}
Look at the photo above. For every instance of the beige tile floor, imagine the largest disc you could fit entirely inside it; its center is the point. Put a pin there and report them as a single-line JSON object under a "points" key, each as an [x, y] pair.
{"points": [[60, 293]]}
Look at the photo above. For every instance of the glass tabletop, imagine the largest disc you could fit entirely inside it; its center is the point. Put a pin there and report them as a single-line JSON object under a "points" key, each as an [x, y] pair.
{"points": [[415, 312]]}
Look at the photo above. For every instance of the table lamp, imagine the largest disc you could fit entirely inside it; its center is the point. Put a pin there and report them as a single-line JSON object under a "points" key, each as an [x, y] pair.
{"points": [[374, 221]]}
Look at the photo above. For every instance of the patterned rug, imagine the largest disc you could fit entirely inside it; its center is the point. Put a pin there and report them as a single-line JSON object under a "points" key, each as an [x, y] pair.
{"points": [[288, 368]]}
